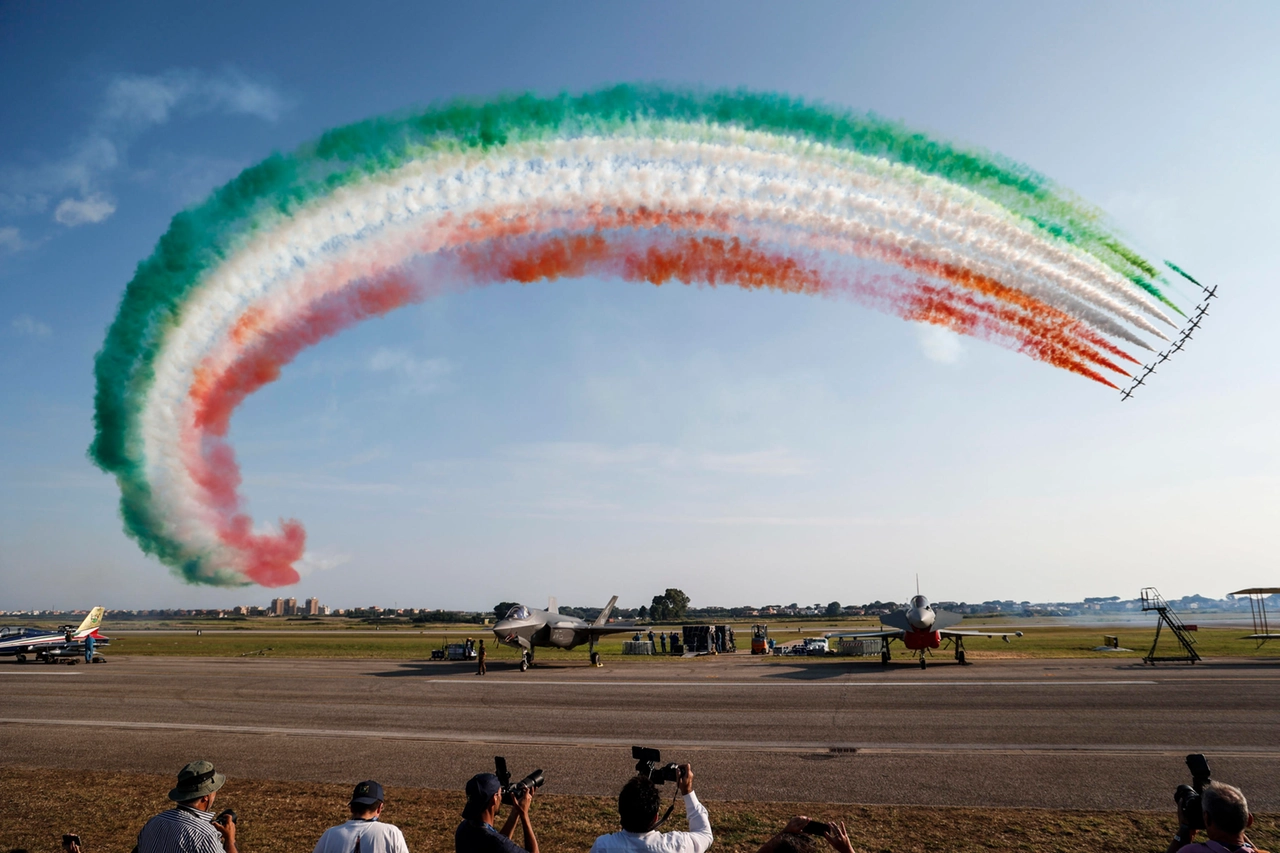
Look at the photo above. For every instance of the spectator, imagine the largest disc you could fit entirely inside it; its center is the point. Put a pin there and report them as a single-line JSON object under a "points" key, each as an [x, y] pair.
{"points": [[363, 832], [190, 827], [652, 648], [638, 809], [480, 656], [793, 839], [1226, 817], [476, 833], [71, 844], [663, 639], [89, 645]]}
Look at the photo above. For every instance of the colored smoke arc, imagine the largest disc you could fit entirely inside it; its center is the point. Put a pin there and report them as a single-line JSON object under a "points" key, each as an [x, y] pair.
{"points": [[638, 183]]}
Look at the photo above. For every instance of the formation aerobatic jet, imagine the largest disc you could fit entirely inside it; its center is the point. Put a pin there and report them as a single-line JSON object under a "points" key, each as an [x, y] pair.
{"points": [[526, 629], [921, 628], [49, 646]]}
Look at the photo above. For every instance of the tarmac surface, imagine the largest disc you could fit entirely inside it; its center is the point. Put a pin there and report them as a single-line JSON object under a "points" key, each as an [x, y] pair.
{"points": [[1093, 734]]}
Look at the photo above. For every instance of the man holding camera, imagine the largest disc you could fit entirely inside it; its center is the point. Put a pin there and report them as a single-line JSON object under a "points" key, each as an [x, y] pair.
{"points": [[638, 805], [484, 798], [798, 837], [191, 827], [364, 832], [1225, 814]]}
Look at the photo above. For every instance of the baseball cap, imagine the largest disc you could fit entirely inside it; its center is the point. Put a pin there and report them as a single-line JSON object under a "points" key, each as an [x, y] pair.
{"points": [[367, 793], [480, 790]]}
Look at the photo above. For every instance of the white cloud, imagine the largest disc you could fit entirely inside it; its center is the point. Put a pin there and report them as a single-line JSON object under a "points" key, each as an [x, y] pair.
{"points": [[29, 327], [939, 344], [11, 240], [566, 455], [72, 212], [420, 375], [131, 105], [140, 101]]}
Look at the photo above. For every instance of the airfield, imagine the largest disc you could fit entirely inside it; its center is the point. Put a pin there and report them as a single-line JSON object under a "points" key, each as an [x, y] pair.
{"points": [[1102, 733]]}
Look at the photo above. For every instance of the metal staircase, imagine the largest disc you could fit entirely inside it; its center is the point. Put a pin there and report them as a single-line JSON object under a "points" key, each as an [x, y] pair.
{"points": [[1151, 600]]}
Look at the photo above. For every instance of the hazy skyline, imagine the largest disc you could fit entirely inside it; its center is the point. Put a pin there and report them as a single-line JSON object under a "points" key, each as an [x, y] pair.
{"points": [[586, 438]]}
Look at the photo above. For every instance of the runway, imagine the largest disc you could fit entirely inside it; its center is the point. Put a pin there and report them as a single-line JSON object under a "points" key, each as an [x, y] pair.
{"points": [[1051, 734]]}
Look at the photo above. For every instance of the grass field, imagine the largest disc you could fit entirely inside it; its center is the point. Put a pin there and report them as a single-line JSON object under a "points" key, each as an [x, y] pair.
{"points": [[417, 643], [107, 809]]}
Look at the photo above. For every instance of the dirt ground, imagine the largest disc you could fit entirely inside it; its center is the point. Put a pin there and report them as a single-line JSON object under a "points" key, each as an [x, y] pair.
{"points": [[107, 809]]}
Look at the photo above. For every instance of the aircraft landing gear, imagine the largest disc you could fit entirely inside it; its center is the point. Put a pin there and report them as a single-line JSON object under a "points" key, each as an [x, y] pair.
{"points": [[595, 659], [960, 656], [525, 661], [22, 658], [884, 657], [923, 662]]}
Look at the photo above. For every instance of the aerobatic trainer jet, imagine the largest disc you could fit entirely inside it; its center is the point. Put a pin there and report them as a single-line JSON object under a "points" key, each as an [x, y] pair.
{"points": [[526, 629], [921, 628], [49, 646]]}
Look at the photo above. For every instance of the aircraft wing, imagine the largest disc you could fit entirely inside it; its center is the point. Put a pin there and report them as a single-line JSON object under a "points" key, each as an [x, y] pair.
{"points": [[895, 633], [948, 632], [1262, 637], [613, 628]]}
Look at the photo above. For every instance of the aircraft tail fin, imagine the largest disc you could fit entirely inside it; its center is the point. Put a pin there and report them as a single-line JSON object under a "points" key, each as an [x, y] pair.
{"points": [[91, 623], [552, 605], [604, 614]]}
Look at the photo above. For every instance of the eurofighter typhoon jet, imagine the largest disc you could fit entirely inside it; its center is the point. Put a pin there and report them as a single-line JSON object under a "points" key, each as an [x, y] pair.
{"points": [[921, 628], [526, 629]]}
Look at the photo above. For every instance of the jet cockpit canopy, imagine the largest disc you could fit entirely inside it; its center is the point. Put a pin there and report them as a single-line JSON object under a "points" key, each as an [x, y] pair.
{"points": [[919, 601], [519, 612]]}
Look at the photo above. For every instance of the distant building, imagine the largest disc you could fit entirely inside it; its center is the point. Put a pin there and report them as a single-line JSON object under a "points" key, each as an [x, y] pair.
{"points": [[324, 610], [311, 607], [291, 607], [277, 607]]}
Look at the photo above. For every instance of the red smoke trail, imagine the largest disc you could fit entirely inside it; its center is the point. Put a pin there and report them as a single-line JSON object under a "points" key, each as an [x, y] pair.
{"points": [[498, 248], [269, 558]]}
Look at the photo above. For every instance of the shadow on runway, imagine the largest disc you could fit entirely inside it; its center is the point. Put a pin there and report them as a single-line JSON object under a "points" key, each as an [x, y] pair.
{"points": [[449, 669]]}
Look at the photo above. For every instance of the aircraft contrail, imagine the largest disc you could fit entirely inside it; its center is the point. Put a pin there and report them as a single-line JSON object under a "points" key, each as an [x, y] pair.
{"points": [[633, 183]]}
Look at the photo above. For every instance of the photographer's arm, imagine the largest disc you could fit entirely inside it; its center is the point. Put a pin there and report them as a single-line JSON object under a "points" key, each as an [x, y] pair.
{"points": [[795, 827], [699, 834], [522, 809], [227, 829]]}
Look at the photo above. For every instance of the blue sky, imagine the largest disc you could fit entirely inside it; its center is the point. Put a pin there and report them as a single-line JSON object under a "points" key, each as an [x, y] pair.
{"points": [[587, 438]]}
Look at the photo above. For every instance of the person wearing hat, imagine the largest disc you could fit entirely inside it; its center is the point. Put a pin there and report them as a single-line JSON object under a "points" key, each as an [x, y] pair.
{"points": [[191, 827], [364, 832], [476, 833]]}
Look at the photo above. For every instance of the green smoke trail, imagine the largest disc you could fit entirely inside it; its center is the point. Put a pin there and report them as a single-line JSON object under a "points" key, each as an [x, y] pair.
{"points": [[200, 238]]}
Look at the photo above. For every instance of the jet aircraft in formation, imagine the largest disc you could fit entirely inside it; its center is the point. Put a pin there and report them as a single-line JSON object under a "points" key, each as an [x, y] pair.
{"points": [[920, 628], [525, 629], [49, 646]]}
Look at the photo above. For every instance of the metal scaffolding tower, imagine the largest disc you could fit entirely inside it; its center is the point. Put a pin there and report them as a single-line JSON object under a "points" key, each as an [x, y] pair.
{"points": [[1151, 600]]}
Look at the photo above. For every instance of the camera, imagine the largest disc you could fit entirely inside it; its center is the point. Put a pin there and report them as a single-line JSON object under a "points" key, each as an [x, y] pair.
{"points": [[510, 792], [225, 817], [648, 765], [1188, 796], [69, 839], [816, 827]]}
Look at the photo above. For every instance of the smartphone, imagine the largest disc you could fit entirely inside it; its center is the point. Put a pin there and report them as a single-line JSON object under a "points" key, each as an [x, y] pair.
{"points": [[816, 827], [70, 839]]}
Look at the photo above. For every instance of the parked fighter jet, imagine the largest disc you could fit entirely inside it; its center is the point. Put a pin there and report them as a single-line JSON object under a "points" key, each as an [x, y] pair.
{"points": [[921, 628], [49, 646], [526, 629]]}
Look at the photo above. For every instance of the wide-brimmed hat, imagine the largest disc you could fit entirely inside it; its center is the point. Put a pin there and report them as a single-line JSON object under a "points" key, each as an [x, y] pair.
{"points": [[198, 779]]}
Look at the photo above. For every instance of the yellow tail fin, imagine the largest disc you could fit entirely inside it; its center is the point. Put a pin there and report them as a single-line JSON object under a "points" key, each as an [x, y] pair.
{"points": [[91, 622]]}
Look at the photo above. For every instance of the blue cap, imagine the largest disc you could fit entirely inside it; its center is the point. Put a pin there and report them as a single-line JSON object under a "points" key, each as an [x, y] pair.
{"points": [[367, 793], [480, 790]]}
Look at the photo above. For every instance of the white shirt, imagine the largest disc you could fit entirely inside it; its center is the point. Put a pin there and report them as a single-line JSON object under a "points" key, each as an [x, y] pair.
{"points": [[696, 840], [375, 837]]}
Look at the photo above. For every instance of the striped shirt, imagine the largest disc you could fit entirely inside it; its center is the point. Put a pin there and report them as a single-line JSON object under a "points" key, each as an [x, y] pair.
{"points": [[180, 830]]}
